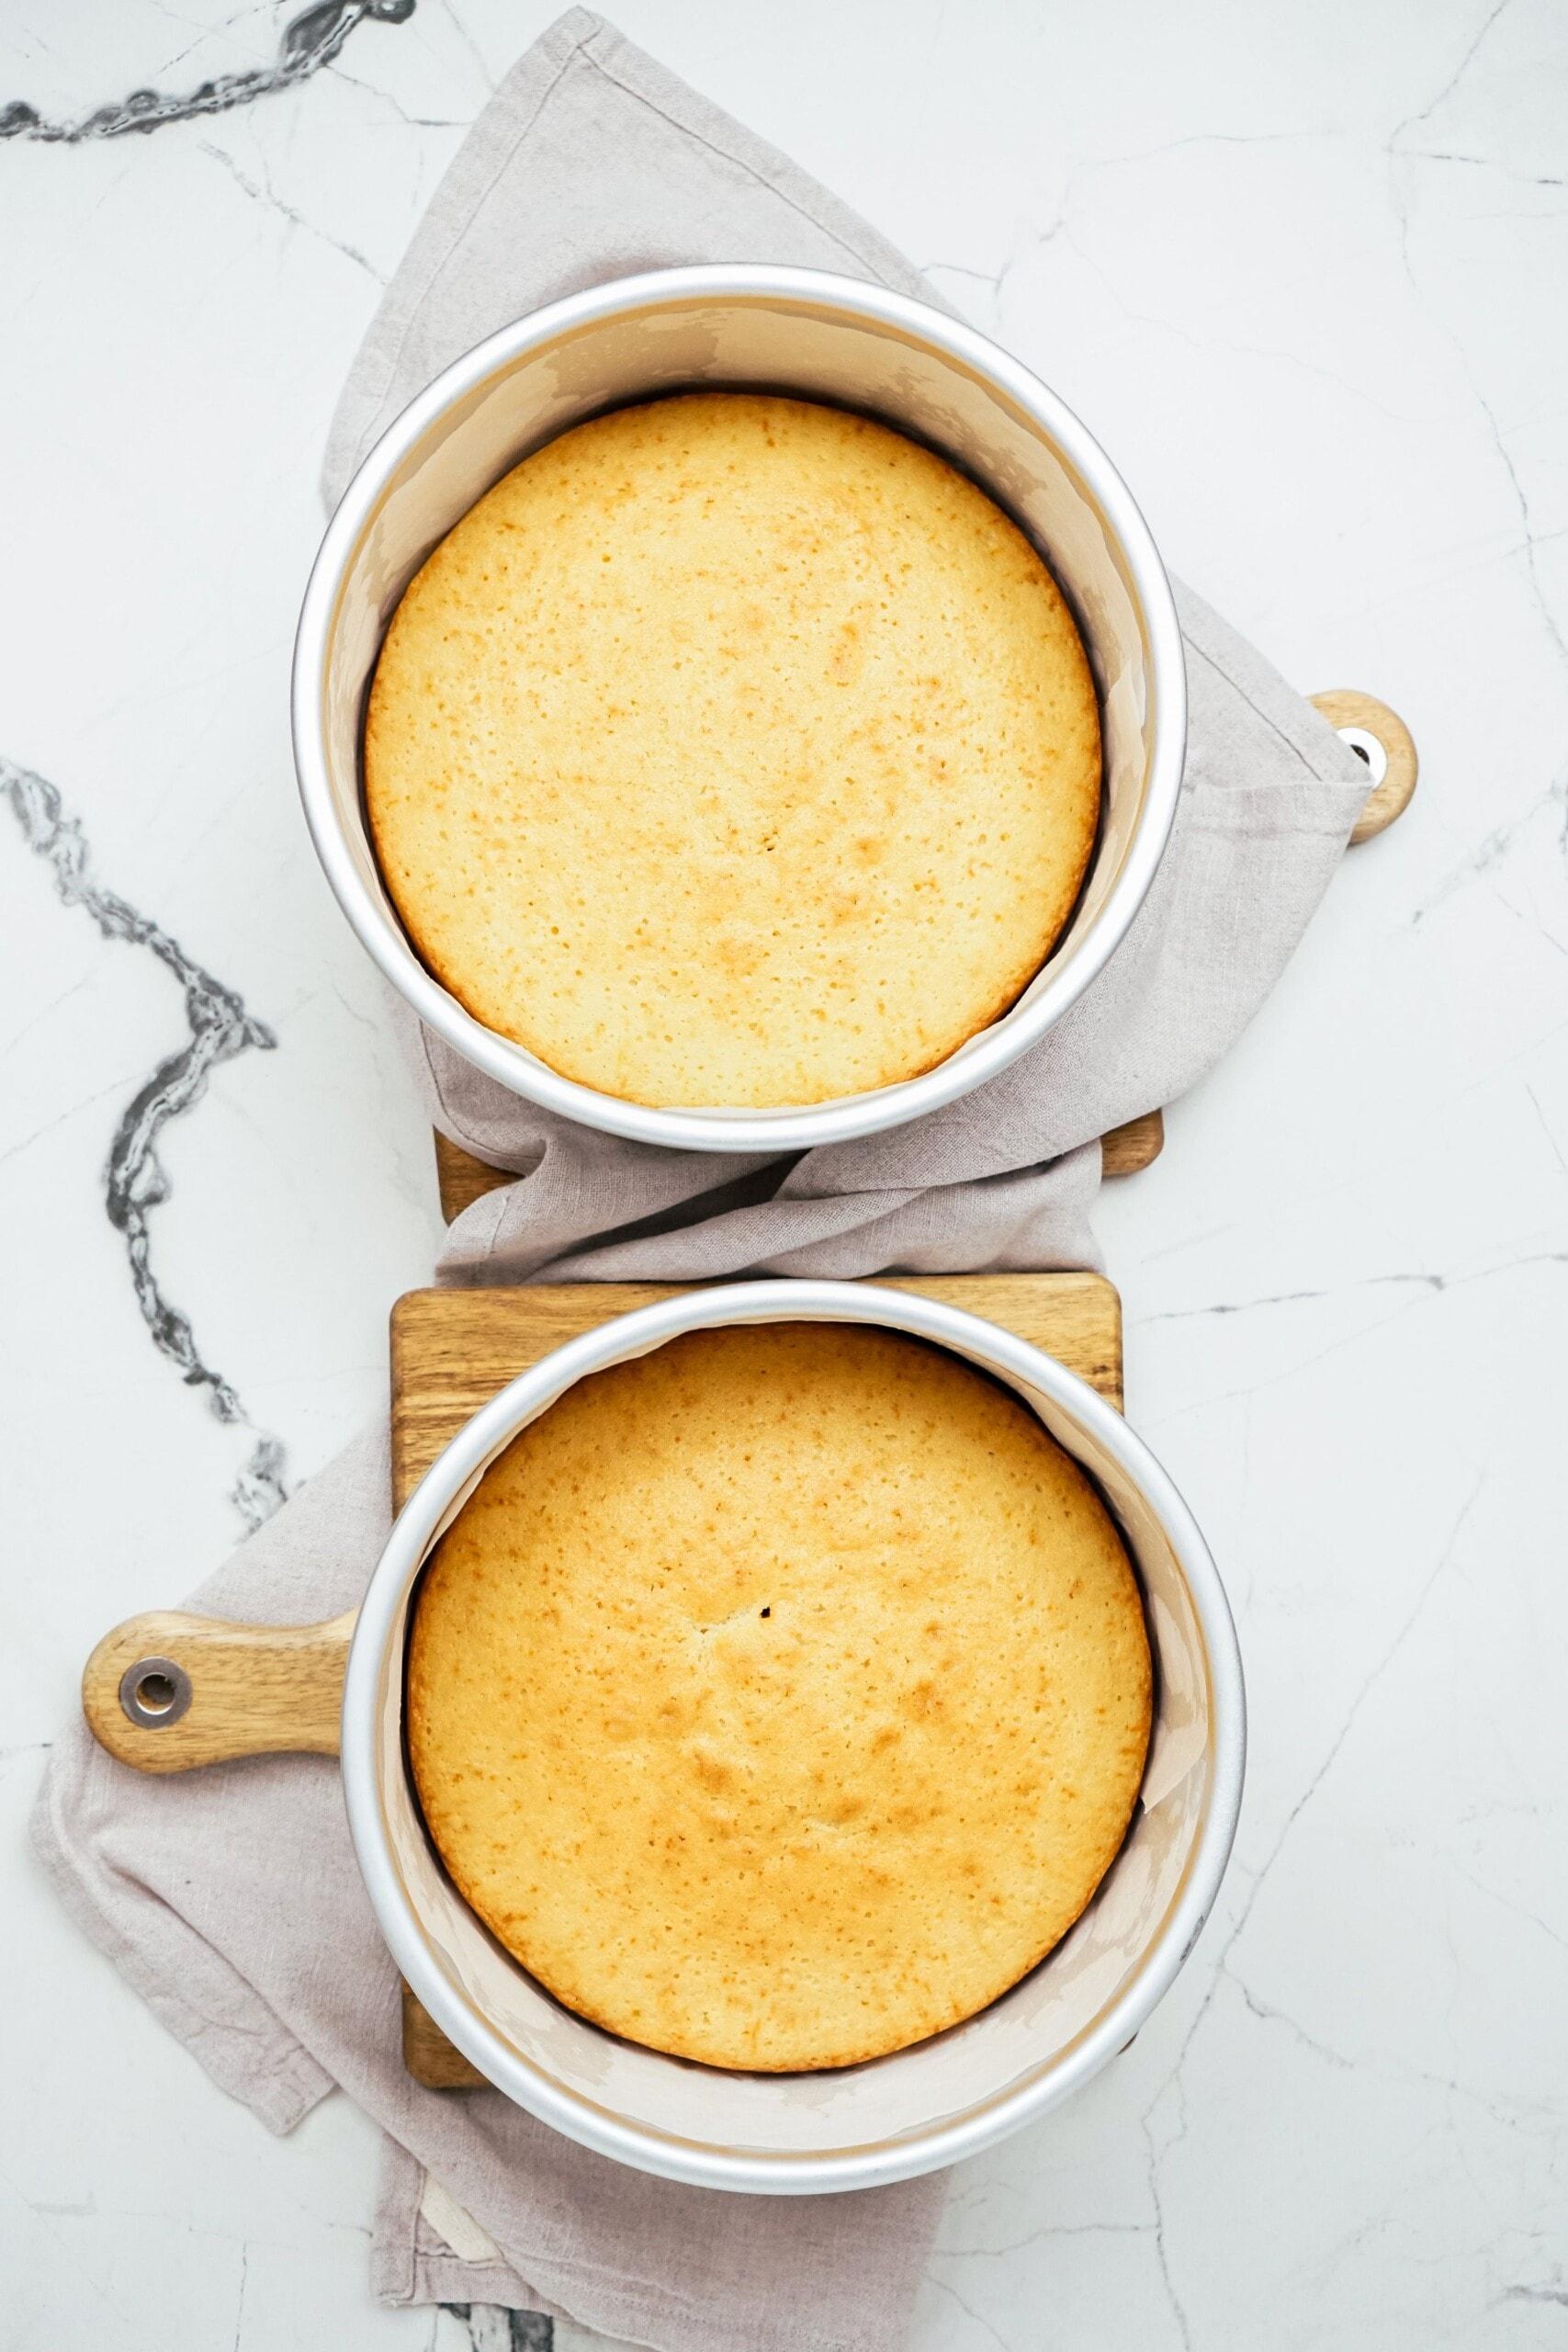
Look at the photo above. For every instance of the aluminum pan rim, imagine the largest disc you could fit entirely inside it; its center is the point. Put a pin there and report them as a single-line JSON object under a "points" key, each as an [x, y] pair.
{"points": [[784, 1130], [952, 2138]]}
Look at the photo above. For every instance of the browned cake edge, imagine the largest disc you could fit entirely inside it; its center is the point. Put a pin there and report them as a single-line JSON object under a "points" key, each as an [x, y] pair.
{"points": [[857, 2053], [1028, 966]]}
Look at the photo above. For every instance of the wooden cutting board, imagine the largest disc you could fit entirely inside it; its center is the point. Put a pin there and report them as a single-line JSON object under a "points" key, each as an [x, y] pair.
{"points": [[263, 1690], [452, 1351]]}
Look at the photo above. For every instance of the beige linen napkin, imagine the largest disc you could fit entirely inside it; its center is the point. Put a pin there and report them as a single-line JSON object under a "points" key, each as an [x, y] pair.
{"points": [[230, 1898]]}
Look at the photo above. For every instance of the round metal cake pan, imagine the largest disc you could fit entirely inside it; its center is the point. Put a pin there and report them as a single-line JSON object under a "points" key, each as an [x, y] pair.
{"points": [[823, 337], [921, 2108]]}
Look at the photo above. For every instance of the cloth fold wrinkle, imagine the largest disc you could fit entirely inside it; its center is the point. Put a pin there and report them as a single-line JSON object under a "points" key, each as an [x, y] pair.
{"points": [[230, 1898]]}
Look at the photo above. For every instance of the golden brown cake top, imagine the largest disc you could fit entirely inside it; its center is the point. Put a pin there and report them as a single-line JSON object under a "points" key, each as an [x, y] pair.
{"points": [[734, 751], [781, 1697]]}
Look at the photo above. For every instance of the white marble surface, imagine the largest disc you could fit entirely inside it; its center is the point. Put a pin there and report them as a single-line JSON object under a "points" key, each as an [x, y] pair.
{"points": [[1303, 269]]}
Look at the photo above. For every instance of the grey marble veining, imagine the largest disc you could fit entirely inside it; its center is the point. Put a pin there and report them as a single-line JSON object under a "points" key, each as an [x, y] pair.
{"points": [[134, 1180], [310, 42], [493, 2329]]}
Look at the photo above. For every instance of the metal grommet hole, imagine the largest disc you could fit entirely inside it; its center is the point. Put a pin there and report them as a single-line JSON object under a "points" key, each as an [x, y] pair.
{"points": [[1366, 746], [155, 1691]]}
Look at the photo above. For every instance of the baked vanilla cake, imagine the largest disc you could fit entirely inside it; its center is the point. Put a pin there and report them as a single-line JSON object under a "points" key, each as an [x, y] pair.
{"points": [[734, 751], [781, 1697]]}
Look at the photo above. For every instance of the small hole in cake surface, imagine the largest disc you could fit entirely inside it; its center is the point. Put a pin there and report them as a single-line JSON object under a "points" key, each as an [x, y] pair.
{"points": [[768, 1612]]}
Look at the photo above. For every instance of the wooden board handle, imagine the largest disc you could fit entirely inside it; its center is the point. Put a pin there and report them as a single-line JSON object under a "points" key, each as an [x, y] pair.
{"points": [[166, 1691], [1384, 741]]}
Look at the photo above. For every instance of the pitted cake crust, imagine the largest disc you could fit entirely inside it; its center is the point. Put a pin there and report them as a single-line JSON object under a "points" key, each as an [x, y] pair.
{"points": [[782, 1697], [734, 751]]}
